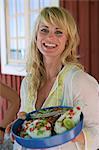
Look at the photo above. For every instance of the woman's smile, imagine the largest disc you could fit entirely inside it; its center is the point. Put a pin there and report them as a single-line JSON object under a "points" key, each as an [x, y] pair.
{"points": [[50, 45], [51, 40]]}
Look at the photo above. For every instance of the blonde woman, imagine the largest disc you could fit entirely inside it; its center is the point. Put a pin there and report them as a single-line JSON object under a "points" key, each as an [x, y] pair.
{"points": [[55, 77]]}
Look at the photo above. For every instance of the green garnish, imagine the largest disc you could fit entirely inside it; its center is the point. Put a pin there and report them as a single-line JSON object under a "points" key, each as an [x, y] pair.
{"points": [[68, 123]]}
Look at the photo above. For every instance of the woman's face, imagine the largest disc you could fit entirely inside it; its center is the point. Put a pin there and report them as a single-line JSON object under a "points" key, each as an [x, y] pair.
{"points": [[51, 40]]}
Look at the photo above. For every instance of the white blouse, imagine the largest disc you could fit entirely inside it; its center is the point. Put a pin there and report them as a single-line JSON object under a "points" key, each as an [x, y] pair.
{"points": [[79, 87]]}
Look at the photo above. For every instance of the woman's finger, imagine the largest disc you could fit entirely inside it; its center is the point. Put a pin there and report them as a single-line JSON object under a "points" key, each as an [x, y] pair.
{"points": [[1, 137], [22, 115]]}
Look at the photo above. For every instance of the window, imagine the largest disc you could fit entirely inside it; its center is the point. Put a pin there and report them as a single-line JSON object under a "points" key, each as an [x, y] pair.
{"points": [[17, 20]]}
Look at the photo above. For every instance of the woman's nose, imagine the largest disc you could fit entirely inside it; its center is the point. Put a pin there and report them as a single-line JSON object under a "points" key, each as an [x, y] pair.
{"points": [[51, 35]]}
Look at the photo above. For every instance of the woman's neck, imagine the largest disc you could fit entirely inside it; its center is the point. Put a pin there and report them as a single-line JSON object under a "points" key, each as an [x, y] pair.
{"points": [[53, 67]]}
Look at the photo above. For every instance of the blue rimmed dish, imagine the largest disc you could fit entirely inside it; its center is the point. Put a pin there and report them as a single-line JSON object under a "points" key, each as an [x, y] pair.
{"points": [[46, 142]]}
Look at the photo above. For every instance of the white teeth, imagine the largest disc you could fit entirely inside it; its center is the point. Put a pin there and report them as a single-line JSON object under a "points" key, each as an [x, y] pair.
{"points": [[50, 45]]}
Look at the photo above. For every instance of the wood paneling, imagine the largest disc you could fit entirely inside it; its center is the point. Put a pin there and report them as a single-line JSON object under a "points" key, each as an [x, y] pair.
{"points": [[94, 38], [86, 14], [12, 81]]}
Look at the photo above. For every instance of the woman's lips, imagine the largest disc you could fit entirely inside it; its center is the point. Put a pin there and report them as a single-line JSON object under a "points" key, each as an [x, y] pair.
{"points": [[50, 45]]}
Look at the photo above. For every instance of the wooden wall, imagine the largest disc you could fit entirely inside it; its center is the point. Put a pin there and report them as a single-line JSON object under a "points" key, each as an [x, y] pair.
{"points": [[12, 81], [86, 15]]}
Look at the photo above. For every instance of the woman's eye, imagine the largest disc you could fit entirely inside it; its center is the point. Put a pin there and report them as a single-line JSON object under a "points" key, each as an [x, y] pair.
{"points": [[59, 33], [44, 30]]}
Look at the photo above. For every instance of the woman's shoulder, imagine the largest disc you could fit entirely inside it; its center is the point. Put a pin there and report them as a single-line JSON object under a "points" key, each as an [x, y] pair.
{"points": [[84, 79], [84, 76], [77, 75]]}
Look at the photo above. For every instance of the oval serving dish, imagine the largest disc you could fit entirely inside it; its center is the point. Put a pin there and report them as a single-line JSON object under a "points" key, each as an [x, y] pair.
{"points": [[46, 142]]}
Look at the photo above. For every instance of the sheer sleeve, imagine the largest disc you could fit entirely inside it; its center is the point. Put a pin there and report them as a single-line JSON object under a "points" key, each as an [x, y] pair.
{"points": [[86, 89], [23, 94]]}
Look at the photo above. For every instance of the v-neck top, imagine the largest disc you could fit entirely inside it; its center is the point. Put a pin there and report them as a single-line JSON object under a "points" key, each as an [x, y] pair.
{"points": [[72, 87], [56, 94]]}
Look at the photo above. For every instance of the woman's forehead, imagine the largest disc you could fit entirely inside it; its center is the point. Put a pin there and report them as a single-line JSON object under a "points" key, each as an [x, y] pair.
{"points": [[46, 24]]}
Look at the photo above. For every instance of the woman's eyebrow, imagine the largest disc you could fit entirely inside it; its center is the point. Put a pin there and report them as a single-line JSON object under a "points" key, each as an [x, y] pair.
{"points": [[43, 26], [58, 28]]}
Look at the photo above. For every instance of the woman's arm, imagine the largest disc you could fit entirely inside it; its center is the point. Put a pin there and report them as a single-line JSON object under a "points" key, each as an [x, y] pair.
{"points": [[80, 138], [13, 104], [85, 90]]}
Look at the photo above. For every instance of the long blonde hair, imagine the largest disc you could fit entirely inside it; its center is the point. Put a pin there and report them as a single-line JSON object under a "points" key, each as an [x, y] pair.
{"points": [[34, 65]]}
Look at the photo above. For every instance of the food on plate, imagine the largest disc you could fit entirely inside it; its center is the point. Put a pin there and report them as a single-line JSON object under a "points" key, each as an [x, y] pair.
{"points": [[45, 113], [39, 128], [22, 131], [68, 120], [68, 123], [48, 122]]}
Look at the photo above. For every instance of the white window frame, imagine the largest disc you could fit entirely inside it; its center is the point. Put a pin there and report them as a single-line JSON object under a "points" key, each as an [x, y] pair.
{"points": [[11, 69]]}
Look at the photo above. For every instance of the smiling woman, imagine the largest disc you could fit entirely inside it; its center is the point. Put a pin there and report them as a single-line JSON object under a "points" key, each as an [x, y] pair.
{"points": [[55, 76]]}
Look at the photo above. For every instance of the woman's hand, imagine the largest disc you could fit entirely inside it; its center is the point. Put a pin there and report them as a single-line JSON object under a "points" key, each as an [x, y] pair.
{"points": [[79, 138], [22, 115], [1, 137], [7, 131]]}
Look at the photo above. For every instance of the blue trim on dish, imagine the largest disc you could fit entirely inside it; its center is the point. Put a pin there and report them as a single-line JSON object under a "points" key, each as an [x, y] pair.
{"points": [[52, 141]]}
